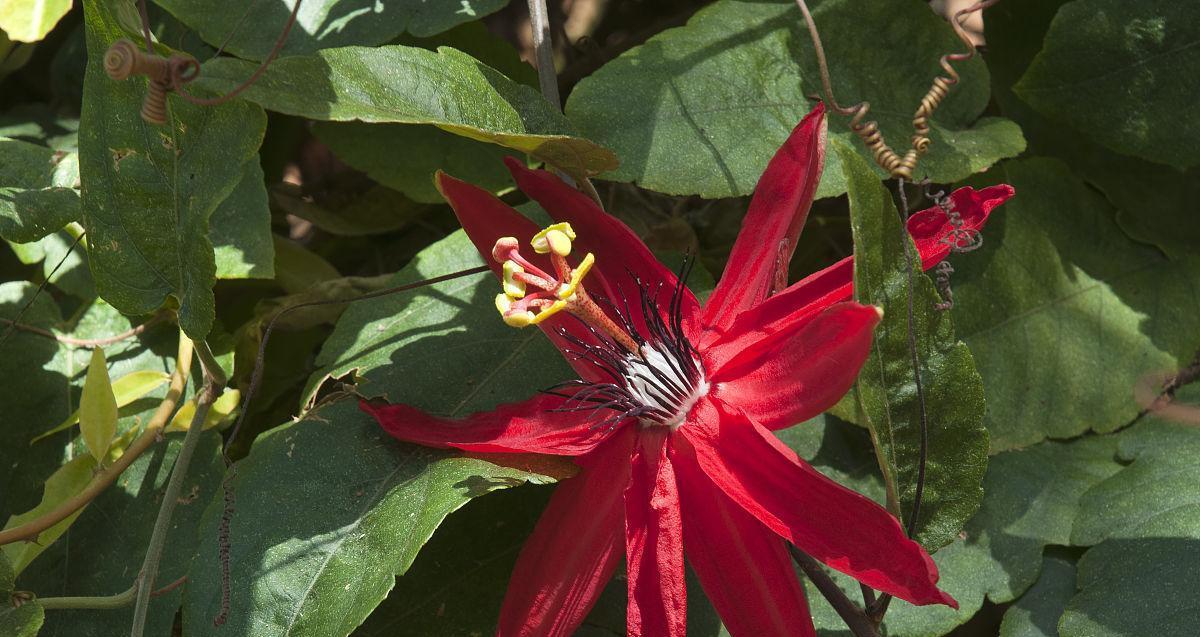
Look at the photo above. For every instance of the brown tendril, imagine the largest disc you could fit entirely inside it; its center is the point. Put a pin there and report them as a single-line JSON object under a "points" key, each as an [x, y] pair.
{"points": [[896, 165], [170, 74]]}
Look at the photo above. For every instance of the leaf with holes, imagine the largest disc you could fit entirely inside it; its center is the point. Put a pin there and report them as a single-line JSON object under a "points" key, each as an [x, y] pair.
{"points": [[149, 191]]}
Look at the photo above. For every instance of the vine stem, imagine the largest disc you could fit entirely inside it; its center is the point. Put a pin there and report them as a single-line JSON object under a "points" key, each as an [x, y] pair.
{"points": [[543, 53], [214, 381], [107, 475], [877, 610], [856, 620], [107, 602], [84, 342]]}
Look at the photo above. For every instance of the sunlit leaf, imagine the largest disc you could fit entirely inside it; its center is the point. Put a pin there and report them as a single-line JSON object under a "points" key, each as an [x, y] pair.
{"points": [[98, 408], [125, 390]]}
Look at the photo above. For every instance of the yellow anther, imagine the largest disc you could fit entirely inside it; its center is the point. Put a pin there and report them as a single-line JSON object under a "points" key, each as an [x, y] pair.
{"points": [[546, 313], [567, 290], [513, 287], [555, 238], [520, 318]]}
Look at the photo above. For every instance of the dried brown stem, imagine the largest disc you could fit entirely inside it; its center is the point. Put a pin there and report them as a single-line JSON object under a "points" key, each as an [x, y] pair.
{"points": [[85, 342]]}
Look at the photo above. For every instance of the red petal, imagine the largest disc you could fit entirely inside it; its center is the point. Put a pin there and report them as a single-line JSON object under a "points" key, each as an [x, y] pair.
{"points": [[930, 227], [777, 214], [654, 542], [527, 427], [574, 549], [836, 283], [619, 252], [485, 219], [744, 567], [843, 529], [783, 377]]}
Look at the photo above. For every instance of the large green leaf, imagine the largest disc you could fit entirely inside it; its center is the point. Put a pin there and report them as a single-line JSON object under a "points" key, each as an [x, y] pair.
{"points": [[328, 511], [1156, 203], [1036, 614], [405, 158], [108, 542], [410, 85], [1124, 74], [148, 191], [1064, 313], [700, 109], [18, 621], [886, 392], [36, 194], [251, 29]]}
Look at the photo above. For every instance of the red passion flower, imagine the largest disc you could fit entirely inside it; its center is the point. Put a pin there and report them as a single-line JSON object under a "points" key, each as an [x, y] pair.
{"points": [[671, 419]]}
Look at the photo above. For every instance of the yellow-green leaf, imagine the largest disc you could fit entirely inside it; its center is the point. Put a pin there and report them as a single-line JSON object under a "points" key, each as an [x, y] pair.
{"points": [[63, 484], [220, 410], [31, 20], [125, 389], [98, 407]]}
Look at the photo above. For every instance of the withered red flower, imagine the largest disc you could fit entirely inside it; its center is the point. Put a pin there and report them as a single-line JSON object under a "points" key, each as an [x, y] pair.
{"points": [[671, 421]]}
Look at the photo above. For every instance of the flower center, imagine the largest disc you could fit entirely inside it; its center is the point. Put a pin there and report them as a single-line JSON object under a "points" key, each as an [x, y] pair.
{"points": [[652, 373]]}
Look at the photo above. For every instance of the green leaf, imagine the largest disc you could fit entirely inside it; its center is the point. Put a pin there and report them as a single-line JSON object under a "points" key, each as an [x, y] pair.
{"points": [[61, 486], [1123, 74], [19, 621], [322, 24], [467, 358], [149, 191], [447, 88], [1158, 494], [329, 510], [1136, 588], [957, 450], [31, 20], [51, 375], [36, 197], [98, 408], [108, 542], [404, 157], [1064, 313], [1036, 614], [124, 390], [221, 409], [240, 229], [701, 109], [1156, 203]]}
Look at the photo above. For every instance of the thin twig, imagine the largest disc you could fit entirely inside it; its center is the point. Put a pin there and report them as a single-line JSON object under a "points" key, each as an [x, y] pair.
{"points": [[856, 620], [107, 475], [877, 610], [213, 375], [16, 320], [543, 51], [106, 602], [85, 342]]}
